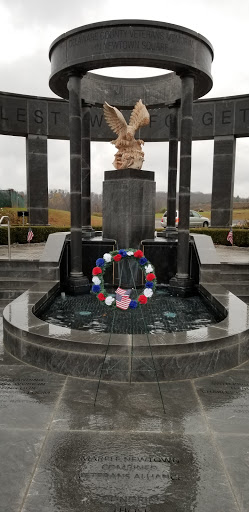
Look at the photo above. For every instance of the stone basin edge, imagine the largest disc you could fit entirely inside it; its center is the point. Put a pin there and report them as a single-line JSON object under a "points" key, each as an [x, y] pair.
{"points": [[233, 329]]}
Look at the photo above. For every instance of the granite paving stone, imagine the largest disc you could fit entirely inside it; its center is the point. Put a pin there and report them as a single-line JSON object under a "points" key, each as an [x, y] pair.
{"points": [[19, 451], [5, 358], [27, 396], [225, 398], [244, 366], [107, 472], [235, 453], [129, 408]]}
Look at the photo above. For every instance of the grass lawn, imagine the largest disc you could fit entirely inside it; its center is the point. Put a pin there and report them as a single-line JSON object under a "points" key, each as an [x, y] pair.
{"points": [[62, 218], [55, 217], [238, 214], [242, 214]]}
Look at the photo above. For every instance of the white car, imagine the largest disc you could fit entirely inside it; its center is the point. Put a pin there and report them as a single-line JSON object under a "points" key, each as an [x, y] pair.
{"points": [[195, 220]]}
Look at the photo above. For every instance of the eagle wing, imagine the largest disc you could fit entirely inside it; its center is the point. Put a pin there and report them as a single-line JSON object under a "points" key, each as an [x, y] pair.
{"points": [[115, 119], [139, 116]]}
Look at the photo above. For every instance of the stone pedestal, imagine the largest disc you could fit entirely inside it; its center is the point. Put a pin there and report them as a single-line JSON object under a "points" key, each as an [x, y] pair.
{"points": [[129, 206], [77, 284], [181, 286]]}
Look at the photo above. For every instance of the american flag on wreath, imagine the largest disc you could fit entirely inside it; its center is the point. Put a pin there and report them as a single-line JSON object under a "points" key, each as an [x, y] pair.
{"points": [[230, 236], [122, 298], [30, 235]]}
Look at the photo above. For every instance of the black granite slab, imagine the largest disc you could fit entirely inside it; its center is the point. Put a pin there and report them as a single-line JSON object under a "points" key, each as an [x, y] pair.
{"points": [[225, 399], [129, 408], [133, 220], [108, 472], [27, 397], [235, 450], [19, 452], [5, 357]]}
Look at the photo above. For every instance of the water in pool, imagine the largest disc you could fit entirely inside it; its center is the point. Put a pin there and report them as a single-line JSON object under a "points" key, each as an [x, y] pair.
{"points": [[162, 313]]}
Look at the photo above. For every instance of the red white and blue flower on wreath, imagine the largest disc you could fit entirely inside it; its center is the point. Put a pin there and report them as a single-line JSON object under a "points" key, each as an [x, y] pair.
{"points": [[122, 298]]}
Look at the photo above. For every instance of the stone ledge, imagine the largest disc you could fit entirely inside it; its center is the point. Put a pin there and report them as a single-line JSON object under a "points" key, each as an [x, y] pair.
{"points": [[177, 356]]}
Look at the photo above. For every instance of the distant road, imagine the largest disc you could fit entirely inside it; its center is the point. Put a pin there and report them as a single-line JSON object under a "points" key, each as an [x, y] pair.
{"points": [[158, 223]]}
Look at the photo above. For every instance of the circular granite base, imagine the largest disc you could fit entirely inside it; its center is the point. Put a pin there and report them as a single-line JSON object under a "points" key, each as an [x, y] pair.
{"points": [[126, 357]]}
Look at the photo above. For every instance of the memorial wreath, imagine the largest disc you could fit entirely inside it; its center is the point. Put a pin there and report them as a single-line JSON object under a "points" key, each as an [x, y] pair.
{"points": [[122, 298]]}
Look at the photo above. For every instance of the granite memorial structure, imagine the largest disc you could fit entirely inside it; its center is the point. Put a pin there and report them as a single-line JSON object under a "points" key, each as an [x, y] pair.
{"points": [[131, 42], [134, 449]]}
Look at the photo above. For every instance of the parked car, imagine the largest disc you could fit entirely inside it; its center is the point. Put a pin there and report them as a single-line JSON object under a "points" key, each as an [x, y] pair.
{"points": [[195, 220]]}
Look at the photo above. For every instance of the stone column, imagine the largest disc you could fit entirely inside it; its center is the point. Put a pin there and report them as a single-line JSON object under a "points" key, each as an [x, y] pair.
{"points": [[172, 169], [37, 179], [85, 169], [223, 181], [181, 283], [77, 282]]}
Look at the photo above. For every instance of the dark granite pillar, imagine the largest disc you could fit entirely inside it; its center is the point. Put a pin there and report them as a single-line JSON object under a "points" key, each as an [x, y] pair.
{"points": [[85, 169], [172, 170], [37, 179], [223, 181], [181, 283], [77, 283]]}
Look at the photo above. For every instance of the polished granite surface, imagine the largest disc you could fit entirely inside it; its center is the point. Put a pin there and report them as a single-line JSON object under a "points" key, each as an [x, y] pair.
{"points": [[180, 447], [125, 357]]}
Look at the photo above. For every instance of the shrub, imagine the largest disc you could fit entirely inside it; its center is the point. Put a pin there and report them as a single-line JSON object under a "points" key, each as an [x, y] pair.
{"points": [[18, 234], [219, 235]]}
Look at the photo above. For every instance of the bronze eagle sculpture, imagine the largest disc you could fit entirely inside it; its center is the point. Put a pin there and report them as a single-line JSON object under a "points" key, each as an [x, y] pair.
{"points": [[130, 154]]}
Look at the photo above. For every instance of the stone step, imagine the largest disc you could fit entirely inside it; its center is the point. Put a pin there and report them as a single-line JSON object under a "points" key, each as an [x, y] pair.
{"points": [[245, 298], [230, 277], [239, 289], [8, 283], [4, 302], [20, 273], [11, 294], [20, 264], [234, 267]]}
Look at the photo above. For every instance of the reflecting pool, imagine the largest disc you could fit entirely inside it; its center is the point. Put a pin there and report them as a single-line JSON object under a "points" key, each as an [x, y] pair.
{"points": [[162, 313]]}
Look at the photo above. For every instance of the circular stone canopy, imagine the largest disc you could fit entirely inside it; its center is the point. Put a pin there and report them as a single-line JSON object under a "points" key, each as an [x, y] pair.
{"points": [[131, 43]]}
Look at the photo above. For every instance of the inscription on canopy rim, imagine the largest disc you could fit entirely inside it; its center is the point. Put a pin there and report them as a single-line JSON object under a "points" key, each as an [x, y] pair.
{"points": [[130, 39]]}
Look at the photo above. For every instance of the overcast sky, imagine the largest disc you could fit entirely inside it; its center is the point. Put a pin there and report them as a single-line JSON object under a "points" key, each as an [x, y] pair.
{"points": [[28, 27]]}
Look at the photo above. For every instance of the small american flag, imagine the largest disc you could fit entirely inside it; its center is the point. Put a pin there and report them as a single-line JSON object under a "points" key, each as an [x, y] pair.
{"points": [[121, 291], [30, 235], [122, 298], [122, 301], [230, 236]]}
